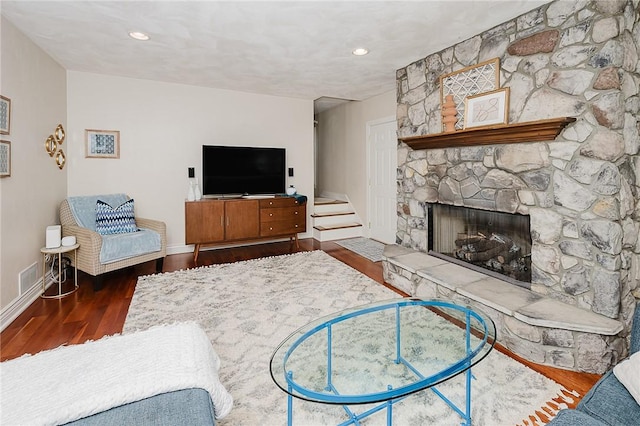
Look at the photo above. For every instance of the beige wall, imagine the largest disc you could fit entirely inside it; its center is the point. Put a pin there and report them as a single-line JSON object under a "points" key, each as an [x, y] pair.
{"points": [[342, 146], [162, 129], [29, 198]]}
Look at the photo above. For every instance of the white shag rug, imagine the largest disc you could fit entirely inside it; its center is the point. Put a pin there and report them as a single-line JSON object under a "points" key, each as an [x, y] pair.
{"points": [[247, 308], [365, 247]]}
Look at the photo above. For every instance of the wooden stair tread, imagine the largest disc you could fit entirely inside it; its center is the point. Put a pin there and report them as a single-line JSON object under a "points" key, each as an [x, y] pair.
{"points": [[324, 202], [337, 226], [327, 214]]}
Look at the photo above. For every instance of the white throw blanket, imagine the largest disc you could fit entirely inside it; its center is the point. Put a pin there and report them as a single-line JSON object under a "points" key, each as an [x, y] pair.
{"points": [[72, 382]]}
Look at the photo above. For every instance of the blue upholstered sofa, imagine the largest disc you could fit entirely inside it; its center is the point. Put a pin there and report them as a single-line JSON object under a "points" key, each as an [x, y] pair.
{"points": [[165, 375], [183, 407], [608, 402]]}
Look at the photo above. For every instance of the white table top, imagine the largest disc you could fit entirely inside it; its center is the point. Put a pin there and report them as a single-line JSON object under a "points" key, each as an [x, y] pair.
{"points": [[61, 249]]}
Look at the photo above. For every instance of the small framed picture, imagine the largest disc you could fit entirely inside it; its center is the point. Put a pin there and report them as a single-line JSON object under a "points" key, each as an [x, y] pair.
{"points": [[487, 109], [5, 158], [5, 115], [102, 143]]}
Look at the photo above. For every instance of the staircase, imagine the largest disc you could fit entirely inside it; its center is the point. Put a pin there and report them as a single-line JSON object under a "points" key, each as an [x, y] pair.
{"points": [[334, 220]]}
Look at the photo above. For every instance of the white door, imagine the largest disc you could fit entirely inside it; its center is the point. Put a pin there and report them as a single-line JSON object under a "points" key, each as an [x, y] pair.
{"points": [[383, 161]]}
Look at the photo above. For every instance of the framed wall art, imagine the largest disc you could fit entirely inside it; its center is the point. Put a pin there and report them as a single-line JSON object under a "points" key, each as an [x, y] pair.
{"points": [[5, 115], [487, 109], [5, 158], [481, 78], [102, 143]]}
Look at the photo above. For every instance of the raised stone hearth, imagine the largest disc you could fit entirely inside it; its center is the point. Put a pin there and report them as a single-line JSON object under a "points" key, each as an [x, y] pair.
{"points": [[538, 328], [581, 191]]}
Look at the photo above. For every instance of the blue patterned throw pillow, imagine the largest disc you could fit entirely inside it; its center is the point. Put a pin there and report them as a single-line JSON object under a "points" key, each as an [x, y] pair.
{"points": [[119, 220]]}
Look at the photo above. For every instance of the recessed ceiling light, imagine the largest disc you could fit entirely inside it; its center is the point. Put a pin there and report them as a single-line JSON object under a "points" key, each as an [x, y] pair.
{"points": [[360, 51], [138, 35]]}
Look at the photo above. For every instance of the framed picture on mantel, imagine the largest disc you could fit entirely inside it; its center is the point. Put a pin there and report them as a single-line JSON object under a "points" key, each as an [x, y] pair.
{"points": [[487, 109]]}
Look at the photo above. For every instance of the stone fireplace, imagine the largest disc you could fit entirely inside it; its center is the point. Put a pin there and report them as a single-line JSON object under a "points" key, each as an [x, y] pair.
{"points": [[581, 191]]}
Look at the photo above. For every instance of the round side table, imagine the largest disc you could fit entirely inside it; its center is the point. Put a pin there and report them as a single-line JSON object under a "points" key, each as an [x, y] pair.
{"points": [[59, 251]]}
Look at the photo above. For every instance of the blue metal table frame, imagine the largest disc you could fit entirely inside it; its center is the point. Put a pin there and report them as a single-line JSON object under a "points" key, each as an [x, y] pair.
{"points": [[391, 396]]}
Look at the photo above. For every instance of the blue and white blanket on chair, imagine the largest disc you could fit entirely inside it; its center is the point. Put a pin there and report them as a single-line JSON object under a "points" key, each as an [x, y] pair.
{"points": [[115, 247]]}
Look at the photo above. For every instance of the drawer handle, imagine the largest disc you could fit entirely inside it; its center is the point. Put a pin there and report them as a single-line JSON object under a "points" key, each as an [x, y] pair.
{"points": [[296, 226], [295, 213], [270, 203], [271, 214], [270, 228]]}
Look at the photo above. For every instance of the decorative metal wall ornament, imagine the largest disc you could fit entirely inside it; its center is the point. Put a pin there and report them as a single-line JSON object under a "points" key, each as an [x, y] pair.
{"points": [[59, 134], [61, 159], [469, 81], [52, 143], [51, 146]]}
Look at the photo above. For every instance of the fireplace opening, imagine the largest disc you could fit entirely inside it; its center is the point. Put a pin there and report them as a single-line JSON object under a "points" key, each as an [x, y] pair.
{"points": [[495, 243]]}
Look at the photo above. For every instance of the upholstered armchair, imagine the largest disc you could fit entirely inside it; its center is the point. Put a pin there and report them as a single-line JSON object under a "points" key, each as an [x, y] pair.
{"points": [[109, 235]]}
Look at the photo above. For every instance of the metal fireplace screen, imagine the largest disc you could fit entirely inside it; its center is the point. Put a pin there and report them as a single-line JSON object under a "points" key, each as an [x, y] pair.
{"points": [[492, 242]]}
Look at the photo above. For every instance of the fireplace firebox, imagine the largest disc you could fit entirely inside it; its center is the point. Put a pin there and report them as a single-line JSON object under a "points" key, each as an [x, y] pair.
{"points": [[495, 243]]}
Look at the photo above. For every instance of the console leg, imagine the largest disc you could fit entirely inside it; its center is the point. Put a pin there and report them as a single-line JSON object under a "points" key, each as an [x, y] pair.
{"points": [[196, 251]]}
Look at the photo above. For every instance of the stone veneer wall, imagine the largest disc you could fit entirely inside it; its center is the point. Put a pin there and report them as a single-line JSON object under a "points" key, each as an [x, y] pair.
{"points": [[582, 191]]}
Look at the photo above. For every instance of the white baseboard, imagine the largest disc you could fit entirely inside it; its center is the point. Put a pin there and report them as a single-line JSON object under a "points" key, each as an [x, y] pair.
{"points": [[10, 312]]}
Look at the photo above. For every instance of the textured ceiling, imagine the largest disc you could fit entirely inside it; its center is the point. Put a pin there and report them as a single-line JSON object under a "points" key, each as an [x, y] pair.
{"points": [[298, 49]]}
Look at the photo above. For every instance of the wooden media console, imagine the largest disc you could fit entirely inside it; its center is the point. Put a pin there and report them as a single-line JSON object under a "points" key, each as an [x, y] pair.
{"points": [[225, 221]]}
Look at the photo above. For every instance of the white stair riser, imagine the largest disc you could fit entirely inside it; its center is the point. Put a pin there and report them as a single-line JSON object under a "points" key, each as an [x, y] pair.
{"points": [[337, 234], [334, 220], [329, 208]]}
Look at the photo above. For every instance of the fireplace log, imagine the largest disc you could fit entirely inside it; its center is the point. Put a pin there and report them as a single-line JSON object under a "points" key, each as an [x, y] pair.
{"points": [[480, 245], [485, 255], [509, 255]]}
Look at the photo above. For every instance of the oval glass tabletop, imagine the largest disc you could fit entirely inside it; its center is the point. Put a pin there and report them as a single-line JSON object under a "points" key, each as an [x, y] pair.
{"points": [[381, 351]]}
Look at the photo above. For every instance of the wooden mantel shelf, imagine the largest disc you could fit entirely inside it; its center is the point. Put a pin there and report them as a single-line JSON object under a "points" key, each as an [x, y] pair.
{"points": [[531, 131]]}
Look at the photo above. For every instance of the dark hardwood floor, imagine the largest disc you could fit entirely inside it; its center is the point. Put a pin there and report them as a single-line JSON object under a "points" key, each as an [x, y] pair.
{"points": [[88, 315]]}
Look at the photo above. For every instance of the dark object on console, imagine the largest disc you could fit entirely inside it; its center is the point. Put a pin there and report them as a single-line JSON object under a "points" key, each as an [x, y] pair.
{"points": [[242, 170], [608, 402]]}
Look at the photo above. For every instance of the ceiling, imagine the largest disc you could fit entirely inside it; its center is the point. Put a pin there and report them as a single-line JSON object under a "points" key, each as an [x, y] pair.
{"points": [[299, 49]]}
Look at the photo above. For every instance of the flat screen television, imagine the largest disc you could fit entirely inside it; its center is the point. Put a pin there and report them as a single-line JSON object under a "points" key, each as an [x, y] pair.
{"points": [[241, 170]]}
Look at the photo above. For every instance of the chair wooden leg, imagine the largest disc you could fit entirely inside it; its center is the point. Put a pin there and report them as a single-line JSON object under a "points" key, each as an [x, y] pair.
{"points": [[98, 282], [159, 264]]}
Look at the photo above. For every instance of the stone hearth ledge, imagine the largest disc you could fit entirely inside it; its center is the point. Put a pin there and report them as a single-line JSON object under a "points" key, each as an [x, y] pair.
{"points": [[529, 324]]}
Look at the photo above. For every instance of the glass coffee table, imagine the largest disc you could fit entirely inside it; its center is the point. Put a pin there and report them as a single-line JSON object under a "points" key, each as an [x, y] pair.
{"points": [[382, 353]]}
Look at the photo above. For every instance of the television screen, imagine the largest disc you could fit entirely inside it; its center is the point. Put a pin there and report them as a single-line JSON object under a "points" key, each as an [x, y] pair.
{"points": [[240, 170]]}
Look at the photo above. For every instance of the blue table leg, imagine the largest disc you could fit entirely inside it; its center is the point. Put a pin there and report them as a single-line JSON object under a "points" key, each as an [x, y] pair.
{"points": [[290, 402], [389, 409], [468, 373]]}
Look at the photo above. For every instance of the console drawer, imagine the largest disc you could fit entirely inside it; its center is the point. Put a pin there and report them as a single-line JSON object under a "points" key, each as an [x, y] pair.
{"points": [[281, 213], [268, 229]]}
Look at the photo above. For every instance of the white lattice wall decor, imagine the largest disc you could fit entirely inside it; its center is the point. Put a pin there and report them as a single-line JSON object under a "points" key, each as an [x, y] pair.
{"points": [[472, 80]]}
